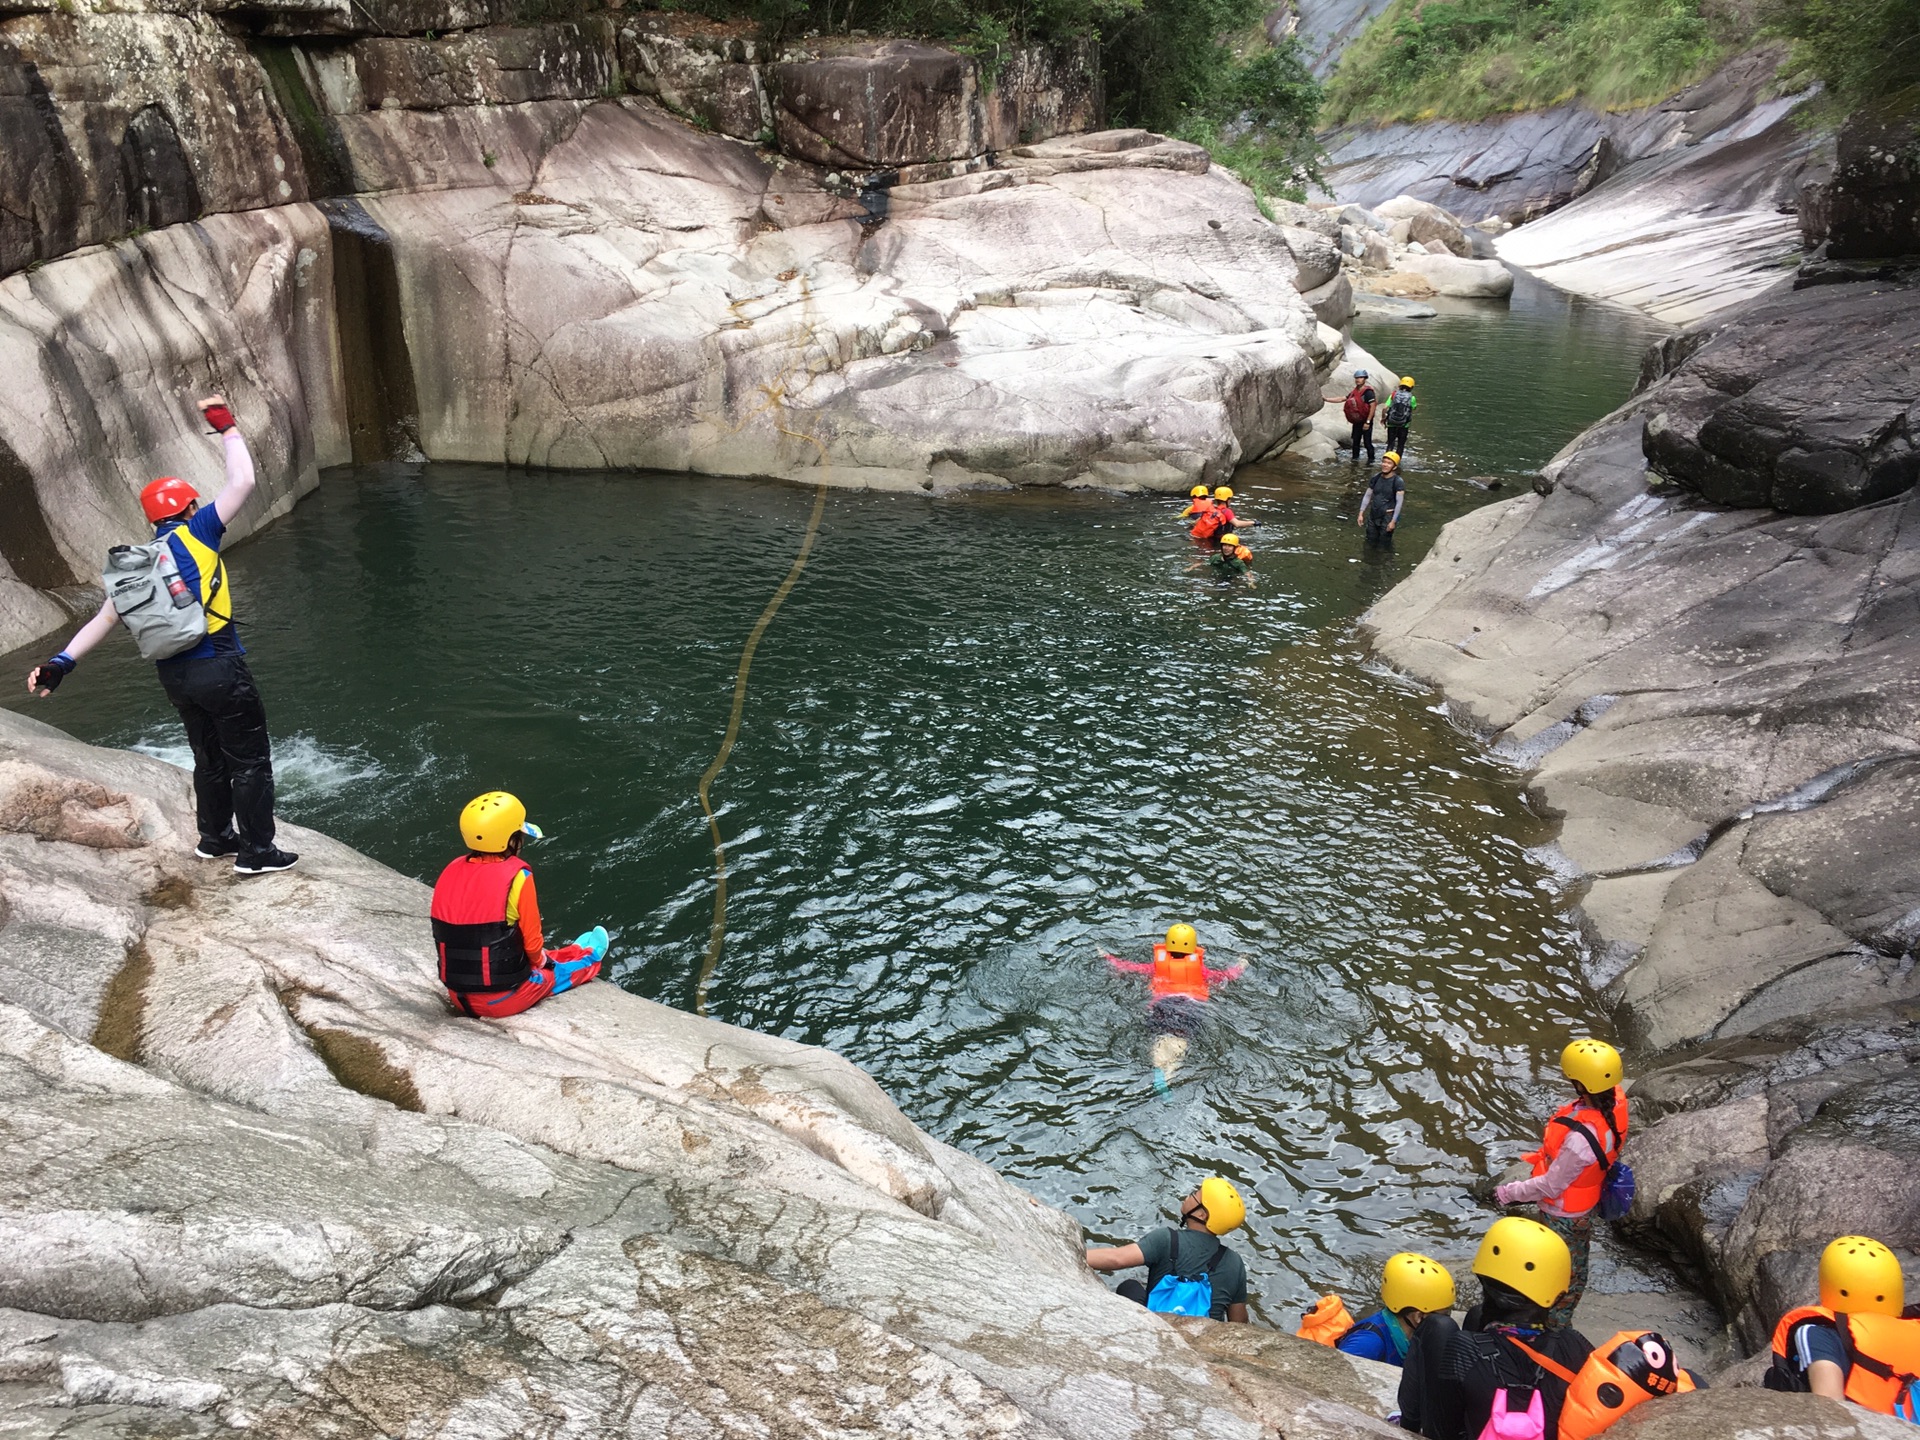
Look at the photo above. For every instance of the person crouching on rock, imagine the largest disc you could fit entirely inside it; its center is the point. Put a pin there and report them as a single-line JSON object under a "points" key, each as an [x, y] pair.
{"points": [[486, 920], [1380, 505], [1413, 1289], [1189, 1270], [172, 594], [1570, 1168], [1861, 1342]]}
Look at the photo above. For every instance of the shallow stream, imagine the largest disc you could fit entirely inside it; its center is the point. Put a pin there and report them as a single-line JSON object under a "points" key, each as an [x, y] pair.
{"points": [[987, 737]]}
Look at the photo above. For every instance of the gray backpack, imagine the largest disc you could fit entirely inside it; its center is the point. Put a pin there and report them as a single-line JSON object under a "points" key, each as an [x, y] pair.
{"points": [[154, 600]]}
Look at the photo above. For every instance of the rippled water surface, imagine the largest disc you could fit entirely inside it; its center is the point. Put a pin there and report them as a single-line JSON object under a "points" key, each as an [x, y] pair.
{"points": [[988, 737]]}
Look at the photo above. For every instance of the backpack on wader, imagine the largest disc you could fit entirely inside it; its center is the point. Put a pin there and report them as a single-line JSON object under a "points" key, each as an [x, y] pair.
{"points": [[1400, 409], [1177, 1294], [153, 599], [1357, 406]]}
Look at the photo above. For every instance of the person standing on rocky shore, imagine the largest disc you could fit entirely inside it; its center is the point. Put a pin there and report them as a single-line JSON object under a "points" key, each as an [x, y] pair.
{"points": [[178, 603], [1583, 1139]]}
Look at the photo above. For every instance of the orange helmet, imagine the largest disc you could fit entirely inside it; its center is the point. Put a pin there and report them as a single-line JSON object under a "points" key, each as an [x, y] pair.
{"points": [[166, 497]]}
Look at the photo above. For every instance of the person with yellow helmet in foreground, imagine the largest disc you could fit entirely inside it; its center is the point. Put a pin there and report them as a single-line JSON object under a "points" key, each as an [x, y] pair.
{"points": [[1180, 986], [1504, 1372], [1190, 1271], [1380, 502], [486, 920], [1862, 1341], [1231, 560], [1412, 1289], [1572, 1166]]}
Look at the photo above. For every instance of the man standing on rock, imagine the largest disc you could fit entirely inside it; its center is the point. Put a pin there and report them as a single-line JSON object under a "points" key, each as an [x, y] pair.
{"points": [[1380, 504], [176, 600]]}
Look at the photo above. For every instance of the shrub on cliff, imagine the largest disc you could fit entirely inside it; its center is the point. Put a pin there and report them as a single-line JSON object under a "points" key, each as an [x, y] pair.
{"points": [[1466, 59], [1859, 50]]}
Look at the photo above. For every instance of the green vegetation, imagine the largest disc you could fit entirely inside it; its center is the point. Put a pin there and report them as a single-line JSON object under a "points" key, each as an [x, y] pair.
{"points": [[1466, 59], [1859, 50]]}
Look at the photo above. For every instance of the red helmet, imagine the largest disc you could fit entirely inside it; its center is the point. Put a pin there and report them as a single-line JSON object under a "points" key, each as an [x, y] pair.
{"points": [[166, 497]]}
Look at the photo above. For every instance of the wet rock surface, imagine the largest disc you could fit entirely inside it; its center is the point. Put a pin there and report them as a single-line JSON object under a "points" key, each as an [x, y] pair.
{"points": [[1722, 707], [259, 1178], [1868, 208]]}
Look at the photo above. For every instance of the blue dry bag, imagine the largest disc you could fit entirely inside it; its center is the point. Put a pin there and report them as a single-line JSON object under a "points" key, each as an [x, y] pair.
{"points": [[1616, 1183], [1186, 1295]]}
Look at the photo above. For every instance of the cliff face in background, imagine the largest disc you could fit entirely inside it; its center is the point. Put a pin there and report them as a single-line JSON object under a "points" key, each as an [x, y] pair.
{"points": [[606, 241]]}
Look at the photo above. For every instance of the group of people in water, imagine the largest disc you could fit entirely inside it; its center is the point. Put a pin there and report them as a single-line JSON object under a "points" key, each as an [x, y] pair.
{"points": [[1514, 1367], [1386, 492]]}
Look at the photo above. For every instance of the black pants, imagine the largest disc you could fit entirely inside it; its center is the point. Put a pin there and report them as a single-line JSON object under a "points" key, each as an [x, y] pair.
{"points": [[1134, 1290], [1397, 439], [1377, 531], [1363, 434], [232, 756]]}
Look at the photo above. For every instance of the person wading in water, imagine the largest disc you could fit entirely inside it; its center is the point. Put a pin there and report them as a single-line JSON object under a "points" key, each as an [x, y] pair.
{"points": [[175, 598], [1358, 408], [1380, 505]]}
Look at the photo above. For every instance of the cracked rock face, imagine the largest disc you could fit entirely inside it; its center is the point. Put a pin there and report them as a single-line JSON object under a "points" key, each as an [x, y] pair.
{"points": [[259, 1178], [1723, 706]]}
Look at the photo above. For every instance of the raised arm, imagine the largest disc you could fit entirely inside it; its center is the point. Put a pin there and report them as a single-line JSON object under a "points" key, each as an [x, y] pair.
{"points": [[1220, 977], [1135, 966], [240, 477], [43, 680], [1115, 1257]]}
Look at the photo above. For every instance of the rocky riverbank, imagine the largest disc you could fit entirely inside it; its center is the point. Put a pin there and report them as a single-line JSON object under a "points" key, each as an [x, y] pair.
{"points": [[1722, 705], [616, 240]]}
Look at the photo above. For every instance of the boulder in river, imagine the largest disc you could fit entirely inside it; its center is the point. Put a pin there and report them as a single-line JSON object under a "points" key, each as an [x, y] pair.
{"points": [[1450, 275], [1427, 224], [1809, 403]]}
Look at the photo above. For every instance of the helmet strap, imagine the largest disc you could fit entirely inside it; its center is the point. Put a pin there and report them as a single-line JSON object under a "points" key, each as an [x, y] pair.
{"points": [[1187, 1216]]}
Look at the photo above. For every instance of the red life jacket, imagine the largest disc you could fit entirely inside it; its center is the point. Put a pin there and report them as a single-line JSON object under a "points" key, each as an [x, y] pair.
{"points": [[1181, 975], [1584, 1193], [1884, 1349], [1358, 406], [480, 949]]}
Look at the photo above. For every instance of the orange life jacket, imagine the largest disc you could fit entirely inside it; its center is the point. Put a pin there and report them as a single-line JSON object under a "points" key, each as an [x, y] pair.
{"points": [[1199, 506], [1326, 1322], [1584, 1193], [1885, 1351], [1182, 975], [1635, 1366], [1216, 519]]}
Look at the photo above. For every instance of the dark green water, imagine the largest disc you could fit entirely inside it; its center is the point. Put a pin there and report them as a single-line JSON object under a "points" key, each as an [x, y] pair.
{"points": [[987, 737]]}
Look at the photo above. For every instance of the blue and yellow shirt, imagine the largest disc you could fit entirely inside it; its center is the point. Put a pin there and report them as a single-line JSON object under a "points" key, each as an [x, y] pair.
{"points": [[196, 551]]}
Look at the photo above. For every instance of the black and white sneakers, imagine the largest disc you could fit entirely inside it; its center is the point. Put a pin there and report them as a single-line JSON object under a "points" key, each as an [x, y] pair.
{"points": [[265, 863], [217, 847]]}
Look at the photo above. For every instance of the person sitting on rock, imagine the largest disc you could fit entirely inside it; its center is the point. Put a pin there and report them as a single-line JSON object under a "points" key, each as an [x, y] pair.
{"points": [[1503, 1365], [1583, 1138], [1861, 1342], [1380, 503], [1187, 1275], [486, 920], [191, 635]]}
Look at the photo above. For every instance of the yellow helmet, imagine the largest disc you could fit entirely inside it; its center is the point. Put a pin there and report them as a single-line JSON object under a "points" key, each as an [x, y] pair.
{"points": [[1859, 1276], [1229, 540], [1225, 1209], [490, 822], [1593, 1065], [1224, 492], [1197, 491], [1526, 1256], [1393, 455], [1414, 1282], [1181, 939], [1407, 380]]}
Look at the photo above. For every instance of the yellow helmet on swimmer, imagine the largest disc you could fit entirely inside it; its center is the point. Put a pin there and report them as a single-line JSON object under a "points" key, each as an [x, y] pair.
{"points": [[490, 822], [1593, 1065], [1225, 1209], [1197, 492], [1223, 492], [1416, 1282], [1229, 541], [1860, 1276], [1525, 1255], [1182, 940]]}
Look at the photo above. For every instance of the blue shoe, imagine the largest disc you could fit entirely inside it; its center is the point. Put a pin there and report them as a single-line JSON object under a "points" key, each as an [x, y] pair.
{"points": [[596, 940]]}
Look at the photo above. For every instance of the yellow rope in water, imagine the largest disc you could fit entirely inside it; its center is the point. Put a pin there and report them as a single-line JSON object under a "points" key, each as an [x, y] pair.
{"points": [[718, 935]]}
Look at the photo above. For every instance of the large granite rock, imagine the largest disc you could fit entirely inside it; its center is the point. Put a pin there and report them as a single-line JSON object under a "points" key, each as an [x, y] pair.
{"points": [[1869, 207], [1427, 224], [259, 1179], [1767, 413], [1451, 275]]}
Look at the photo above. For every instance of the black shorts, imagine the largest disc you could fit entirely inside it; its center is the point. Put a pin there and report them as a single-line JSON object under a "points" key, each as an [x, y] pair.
{"points": [[1176, 1015]]}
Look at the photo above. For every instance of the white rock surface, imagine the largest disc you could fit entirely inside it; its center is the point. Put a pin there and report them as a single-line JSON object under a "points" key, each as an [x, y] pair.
{"points": [[1450, 275], [306, 1199]]}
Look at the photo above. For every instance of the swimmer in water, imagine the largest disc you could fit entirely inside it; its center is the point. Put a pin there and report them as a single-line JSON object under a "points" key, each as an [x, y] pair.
{"points": [[1180, 982]]}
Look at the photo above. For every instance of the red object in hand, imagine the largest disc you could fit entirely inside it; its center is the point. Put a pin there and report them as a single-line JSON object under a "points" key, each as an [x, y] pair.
{"points": [[219, 417]]}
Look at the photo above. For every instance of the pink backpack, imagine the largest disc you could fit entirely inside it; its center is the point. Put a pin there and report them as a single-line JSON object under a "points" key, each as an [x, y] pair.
{"points": [[1507, 1424]]}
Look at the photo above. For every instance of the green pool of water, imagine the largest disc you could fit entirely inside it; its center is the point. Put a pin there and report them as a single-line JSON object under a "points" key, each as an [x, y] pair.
{"points": [[988, 737]]}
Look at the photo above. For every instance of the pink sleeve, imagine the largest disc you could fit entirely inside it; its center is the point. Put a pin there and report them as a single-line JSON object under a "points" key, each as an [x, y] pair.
{"points": [[1232, 972], [1135, 966], [1567, 1165]]}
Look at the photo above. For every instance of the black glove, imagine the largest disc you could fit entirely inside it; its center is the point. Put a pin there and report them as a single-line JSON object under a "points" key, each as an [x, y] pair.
{"points": [[49, 675]]}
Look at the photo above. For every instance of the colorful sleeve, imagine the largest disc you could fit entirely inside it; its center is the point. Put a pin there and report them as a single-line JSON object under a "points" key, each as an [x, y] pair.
{"points": [[1137, 967], [523, 905]]}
